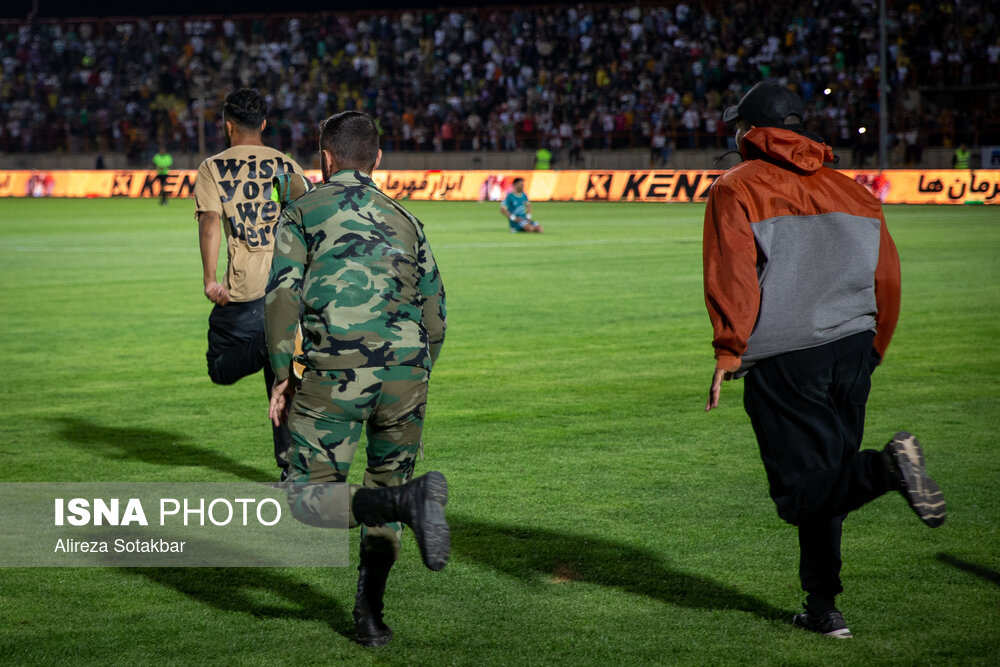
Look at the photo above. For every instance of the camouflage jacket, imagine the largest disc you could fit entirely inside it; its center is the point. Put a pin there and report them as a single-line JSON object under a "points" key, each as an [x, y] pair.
{"points": [[362, 271]]}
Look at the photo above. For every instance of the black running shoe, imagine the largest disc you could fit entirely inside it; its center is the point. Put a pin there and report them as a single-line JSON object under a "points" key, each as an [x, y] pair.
{"points": [[831, 624], [920, 491]]}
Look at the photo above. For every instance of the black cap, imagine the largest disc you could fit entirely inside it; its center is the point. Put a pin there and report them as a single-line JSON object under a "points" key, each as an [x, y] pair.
{"points": [[770, 104]]}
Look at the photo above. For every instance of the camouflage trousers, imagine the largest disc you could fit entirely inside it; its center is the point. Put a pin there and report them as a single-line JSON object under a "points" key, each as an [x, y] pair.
{"points": [[326, 419]]}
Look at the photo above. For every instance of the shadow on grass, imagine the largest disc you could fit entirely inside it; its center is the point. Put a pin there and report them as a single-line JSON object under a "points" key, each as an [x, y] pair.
{"points": [[162, 448], [527, 553], [964, 565], [233, 590]]}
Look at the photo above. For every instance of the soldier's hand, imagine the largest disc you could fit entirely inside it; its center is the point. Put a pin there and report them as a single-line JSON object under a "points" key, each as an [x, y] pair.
{"points": [[216, 293], [281, 398]]}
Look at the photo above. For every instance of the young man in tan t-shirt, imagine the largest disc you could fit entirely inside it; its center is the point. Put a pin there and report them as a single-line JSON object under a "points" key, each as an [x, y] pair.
{"points": [[234, 188]]}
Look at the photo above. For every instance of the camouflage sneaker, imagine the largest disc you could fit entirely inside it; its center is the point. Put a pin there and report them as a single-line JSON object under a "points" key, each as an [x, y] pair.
{"points": [[921, 492], [831, 624]]}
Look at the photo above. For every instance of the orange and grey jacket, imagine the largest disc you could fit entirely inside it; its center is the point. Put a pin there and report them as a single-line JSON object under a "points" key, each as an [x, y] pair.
{"points": [[796, 255]]}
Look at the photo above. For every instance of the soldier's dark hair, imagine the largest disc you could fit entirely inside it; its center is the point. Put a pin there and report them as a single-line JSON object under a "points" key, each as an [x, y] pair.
{"points": [[352, 139], [517, 180], [245, 107]]}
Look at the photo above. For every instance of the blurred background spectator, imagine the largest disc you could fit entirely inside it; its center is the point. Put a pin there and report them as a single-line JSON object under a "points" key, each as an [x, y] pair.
{"points": [[569, 78]]}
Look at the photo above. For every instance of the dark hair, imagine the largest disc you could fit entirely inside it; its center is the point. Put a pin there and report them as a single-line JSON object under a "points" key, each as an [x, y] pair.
{"points": [[352, 139], [517, 180], [245, 107]]}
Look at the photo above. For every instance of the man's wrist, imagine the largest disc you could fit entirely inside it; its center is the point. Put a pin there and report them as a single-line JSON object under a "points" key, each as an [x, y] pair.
{"points": [[727, 362], [281, 363]]}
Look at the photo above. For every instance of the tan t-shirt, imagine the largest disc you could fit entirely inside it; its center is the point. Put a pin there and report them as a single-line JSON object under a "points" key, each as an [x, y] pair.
{"points": [[236, 184]]}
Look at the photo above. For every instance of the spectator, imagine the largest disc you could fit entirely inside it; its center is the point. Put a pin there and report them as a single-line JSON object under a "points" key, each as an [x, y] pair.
{"points": [[660, 152], [913, 153], [691, 121], [619, 71]]}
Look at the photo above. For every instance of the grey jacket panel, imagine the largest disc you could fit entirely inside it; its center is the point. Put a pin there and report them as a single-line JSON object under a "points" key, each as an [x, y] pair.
{"points": [[817, 281]]}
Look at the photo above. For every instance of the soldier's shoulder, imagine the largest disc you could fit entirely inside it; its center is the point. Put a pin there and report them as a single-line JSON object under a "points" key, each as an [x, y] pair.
{"points": [[321, 199], [391, 207]]}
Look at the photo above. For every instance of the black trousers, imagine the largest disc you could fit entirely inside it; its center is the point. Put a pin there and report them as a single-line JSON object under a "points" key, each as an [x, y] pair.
{"points": [[162, 178], [237, 347], [808, 411]]}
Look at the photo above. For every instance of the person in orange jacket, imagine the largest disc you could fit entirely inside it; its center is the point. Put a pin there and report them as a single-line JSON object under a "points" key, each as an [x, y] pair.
{"points": [[802, 285]]}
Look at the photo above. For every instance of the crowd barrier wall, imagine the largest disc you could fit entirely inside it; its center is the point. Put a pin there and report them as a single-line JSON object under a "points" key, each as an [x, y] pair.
{"points": [[897, 186]]}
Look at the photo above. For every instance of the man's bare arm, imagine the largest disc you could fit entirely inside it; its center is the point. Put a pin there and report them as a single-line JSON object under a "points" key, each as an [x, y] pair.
{"points": [[209, 239]]}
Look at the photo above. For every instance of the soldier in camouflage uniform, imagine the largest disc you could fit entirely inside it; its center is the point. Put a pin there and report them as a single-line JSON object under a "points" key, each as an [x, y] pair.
{"points": [[373, 322]]}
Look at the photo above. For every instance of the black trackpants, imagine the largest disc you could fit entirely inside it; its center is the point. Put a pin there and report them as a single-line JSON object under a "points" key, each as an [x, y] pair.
{"points": [[808, 411], [162, 178], [237, 347]]}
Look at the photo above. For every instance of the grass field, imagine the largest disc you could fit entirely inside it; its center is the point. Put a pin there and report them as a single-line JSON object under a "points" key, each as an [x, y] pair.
{"points": [[599, 516]]}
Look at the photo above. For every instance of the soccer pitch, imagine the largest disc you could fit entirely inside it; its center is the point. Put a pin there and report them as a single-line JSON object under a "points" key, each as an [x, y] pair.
{"points": [[598, 515]]}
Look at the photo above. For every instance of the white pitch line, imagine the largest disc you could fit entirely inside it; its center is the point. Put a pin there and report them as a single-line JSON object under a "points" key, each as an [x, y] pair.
{"points": [[116, 249], [139, 248], [547, 244]]}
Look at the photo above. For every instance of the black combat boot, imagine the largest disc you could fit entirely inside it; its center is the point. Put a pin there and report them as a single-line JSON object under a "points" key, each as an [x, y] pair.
{"points": [[419, 504], [372, 574]]}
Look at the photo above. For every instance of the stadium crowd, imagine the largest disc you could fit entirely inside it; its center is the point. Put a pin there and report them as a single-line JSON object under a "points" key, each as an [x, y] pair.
{"points": [[571, 77]]}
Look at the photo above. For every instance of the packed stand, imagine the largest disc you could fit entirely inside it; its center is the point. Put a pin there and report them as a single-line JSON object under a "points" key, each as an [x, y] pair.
{"points": [[572, 78]]}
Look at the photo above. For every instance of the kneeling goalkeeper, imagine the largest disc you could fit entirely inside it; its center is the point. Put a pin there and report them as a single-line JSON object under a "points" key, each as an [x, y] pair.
{"points": [[516, 207]]}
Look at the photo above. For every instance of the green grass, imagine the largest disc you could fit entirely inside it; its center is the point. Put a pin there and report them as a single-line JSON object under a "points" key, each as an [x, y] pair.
{"points": [[599, 516]]}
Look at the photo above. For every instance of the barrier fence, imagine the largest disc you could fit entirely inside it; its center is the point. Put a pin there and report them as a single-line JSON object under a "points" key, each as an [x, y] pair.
{"points": [[902, 186]]}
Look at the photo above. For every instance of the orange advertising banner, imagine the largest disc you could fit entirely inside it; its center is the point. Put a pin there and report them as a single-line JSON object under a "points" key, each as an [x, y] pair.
{"points": [[95, 183], [655, 186], [903, 186]]}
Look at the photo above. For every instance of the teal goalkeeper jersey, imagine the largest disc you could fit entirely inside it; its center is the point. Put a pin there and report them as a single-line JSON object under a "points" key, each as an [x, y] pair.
{"points": [[516, 204]]}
